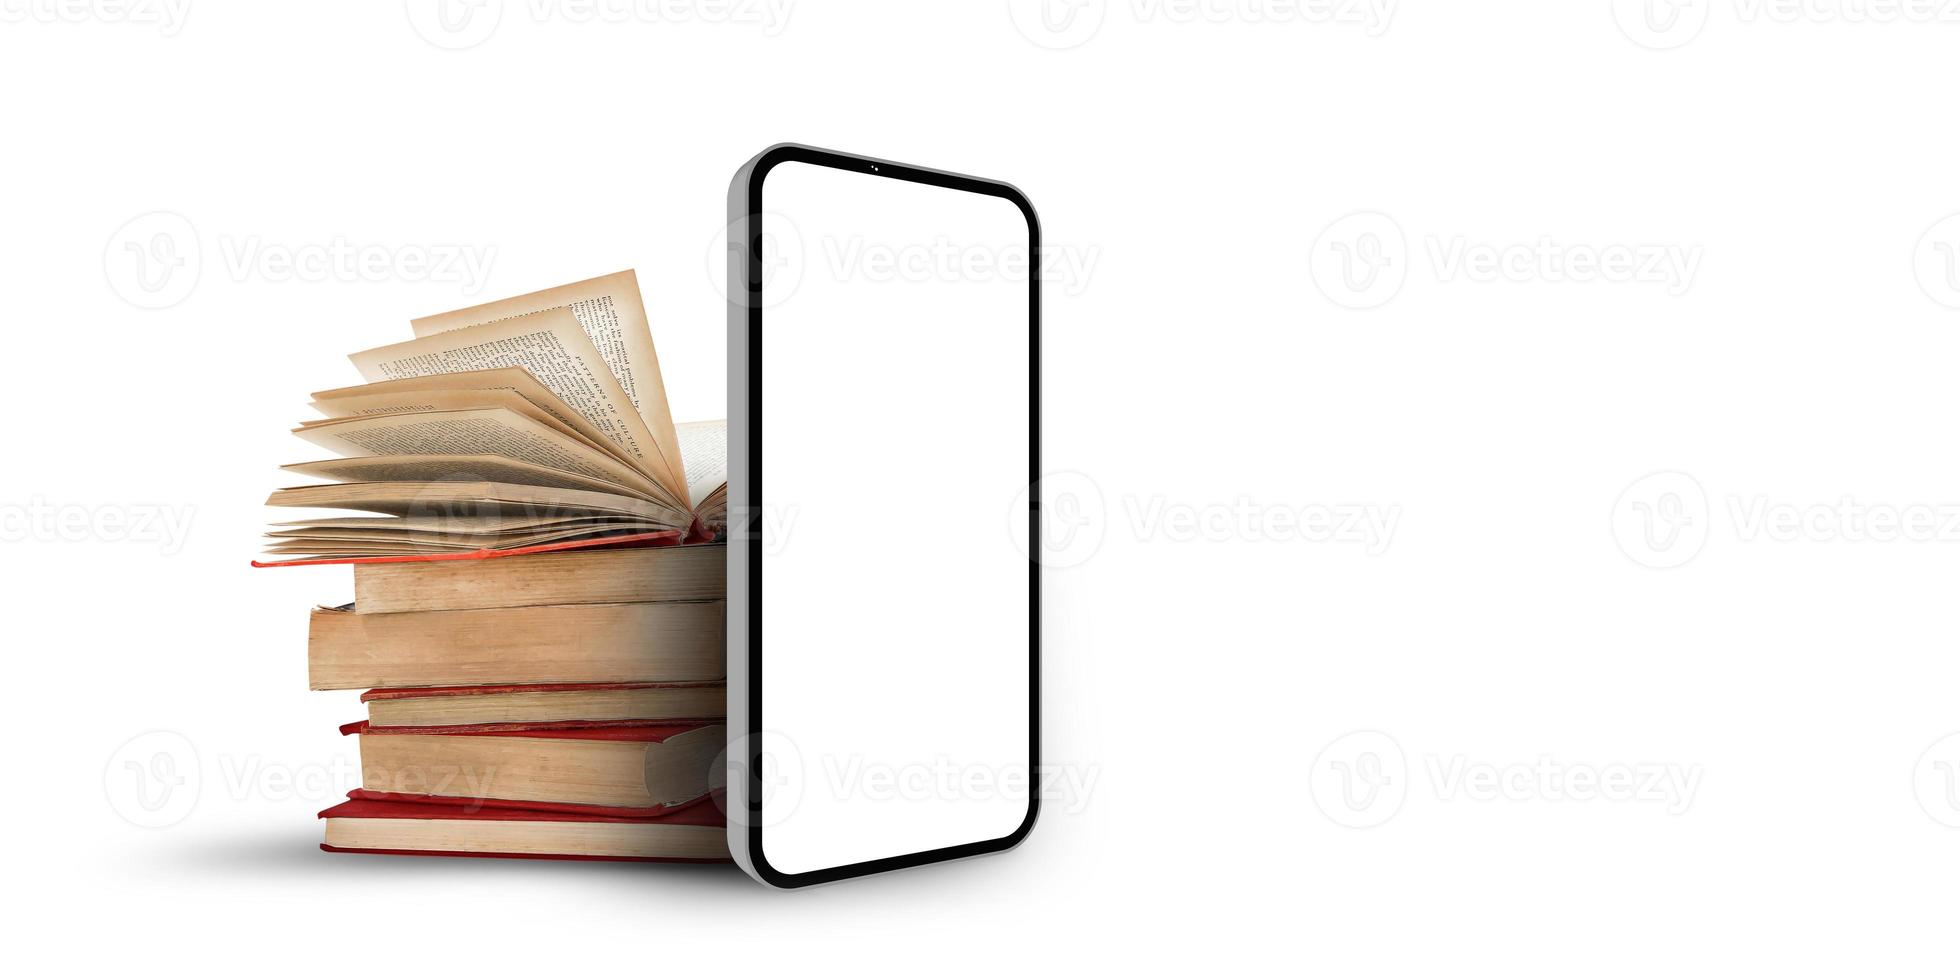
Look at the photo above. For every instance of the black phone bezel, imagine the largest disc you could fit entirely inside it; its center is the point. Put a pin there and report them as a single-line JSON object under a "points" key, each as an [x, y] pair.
{"points": [[749, 294]]}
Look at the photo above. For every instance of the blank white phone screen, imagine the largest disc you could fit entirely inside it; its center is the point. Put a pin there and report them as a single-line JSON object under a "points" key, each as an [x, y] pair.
{"points": [[895, 354]]}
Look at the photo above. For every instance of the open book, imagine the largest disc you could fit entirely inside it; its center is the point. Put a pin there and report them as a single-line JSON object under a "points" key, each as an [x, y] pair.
{"points": [[531, 421]]}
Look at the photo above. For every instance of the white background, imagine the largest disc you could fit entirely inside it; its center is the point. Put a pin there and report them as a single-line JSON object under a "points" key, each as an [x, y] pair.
{"points": [[1210, 382]]}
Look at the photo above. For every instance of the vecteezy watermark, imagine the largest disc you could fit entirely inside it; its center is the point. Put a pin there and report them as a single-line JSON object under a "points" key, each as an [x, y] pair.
{"points": [[1756, 517], [1936, 260], [779, 259], [1670, 266], [156, 260], [166, 16], [1662, 520], [1062, 24], [787, 778], [1362, 260], [1666, 24], [339, 259], [1936, 781], [157, 779], [154, 779], [1371, 527], [455, 25], [153, 260], [1072, 520], [853, 258], [1362, 780], [772, 524], [1671, 785], [778, 765], [1660, 24], [785, 257], [947, 779], [454, 780], [166, 526]]}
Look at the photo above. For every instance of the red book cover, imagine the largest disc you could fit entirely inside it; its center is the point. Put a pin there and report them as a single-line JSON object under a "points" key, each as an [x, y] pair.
{"points": [[617, 733], [532, 806], [362, 805]]}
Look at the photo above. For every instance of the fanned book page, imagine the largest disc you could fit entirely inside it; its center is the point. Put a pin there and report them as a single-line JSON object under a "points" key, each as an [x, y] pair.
{"points": [[704, 445], [610, 311], [490, 431], [555, 350], [445, 392], [537, 421]]}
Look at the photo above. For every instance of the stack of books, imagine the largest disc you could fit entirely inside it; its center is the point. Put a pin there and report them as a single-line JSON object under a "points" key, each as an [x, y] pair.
{"points": [[539, 578]]}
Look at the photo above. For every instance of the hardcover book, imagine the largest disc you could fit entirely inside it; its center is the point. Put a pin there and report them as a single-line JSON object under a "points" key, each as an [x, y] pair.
{"points": [[457, 829], [647, 768]]}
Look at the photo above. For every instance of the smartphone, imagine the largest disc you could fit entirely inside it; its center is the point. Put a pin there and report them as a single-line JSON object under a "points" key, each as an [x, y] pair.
{"points": [[884, 577]]}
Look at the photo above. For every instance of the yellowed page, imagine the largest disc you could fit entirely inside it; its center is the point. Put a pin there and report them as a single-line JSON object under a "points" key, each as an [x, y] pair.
{"points": [[497, 500], [404, 544], [497, 469], [460, 523], [555, 350], [704, 446], [419, 395], [614, 318], [372, 406], [403, 532], [480, 432]]}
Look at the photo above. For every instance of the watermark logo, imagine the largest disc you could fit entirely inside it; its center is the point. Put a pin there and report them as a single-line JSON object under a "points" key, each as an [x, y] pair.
{"points": [[1369, 526], [1666, 24], [167, 16], [1661, 24], [1073, 519], [853, 258], [1846, 519], [1062, 24], [1936, 262], [154, 260], [39, 520], [340, 259], [779, 259], [1669, 266], [1057, 24], [455, 25], [1360, 261], [1936, 781], [1669, 785], [775, 758], [946, 779], [154, 779], [1360, 780], [1661, 520]]}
